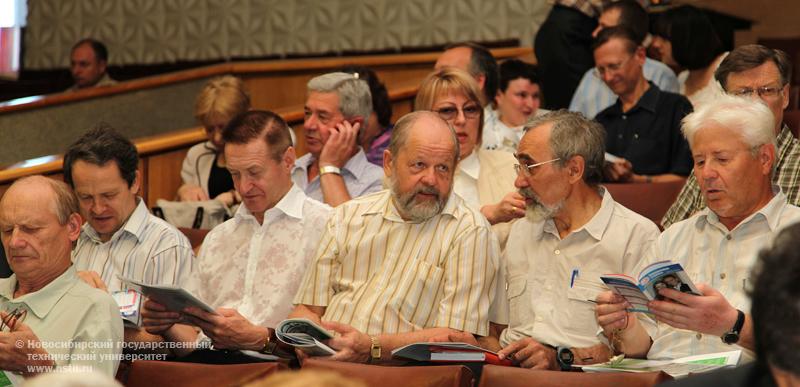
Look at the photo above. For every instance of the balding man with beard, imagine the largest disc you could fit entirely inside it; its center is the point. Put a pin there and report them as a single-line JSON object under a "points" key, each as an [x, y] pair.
{"points": [[406, 264], [573, 233]]}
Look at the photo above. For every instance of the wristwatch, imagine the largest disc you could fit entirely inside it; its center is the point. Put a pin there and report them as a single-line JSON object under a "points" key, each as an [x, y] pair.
{"points": [[732, 336], [374, 350], [329, 169], [565, 358]]}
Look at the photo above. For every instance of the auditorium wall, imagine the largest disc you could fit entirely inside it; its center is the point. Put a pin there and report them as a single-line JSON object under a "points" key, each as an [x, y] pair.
{"points": [[155, 31]]}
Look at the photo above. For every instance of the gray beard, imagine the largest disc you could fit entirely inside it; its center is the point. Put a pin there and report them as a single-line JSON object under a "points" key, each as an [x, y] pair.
{"points": [[537, 211], [409, 208]]}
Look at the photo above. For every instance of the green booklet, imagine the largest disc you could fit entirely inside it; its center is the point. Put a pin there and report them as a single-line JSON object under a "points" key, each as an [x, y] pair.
{"points": [[676, 368]]}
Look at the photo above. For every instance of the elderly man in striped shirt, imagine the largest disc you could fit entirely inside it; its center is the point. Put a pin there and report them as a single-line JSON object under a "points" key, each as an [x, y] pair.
{"points": [[405, 264]]}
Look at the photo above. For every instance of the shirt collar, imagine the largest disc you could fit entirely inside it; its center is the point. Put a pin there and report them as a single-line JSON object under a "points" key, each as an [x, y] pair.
{"points": [[596, 226], [134, 225], [43, 300], [648, 101], [355, 166], [771, 212], [470, 165], [385, 207], [290, 204]]}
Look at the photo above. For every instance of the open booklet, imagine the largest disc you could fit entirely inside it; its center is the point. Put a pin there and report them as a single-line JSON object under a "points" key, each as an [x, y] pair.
{"points": [[448, 353], [663, 274], [676, 368], [304, 335], [172, 297]]}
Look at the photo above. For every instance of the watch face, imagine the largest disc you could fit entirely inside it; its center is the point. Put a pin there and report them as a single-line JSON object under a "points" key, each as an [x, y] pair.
{"points": [[566, 356], [730, 338]]}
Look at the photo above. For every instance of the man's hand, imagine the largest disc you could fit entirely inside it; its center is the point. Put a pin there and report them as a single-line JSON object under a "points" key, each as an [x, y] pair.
{"points": [[157, 319], [93, 279], [710, 313], [340, 146], [455, 337], [228, 329], [15, 352], [529, 353], [511, 207], [351, 345], [612, 313], [620, 171], [191, 193]]}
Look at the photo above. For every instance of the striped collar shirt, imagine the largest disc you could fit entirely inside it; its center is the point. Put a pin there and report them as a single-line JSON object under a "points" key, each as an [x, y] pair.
{"points": [[384, 275], [787, 177], [722, 259], [257, 268], [145, 248]]}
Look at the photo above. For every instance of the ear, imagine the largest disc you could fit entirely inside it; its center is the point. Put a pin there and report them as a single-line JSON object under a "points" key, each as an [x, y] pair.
{"points": [[74, 223], [481, 80], [785, 94], [137, 182], [575, 166], [388, 161], [288, 158], [498, 96], [766, 157], [641, 55]]}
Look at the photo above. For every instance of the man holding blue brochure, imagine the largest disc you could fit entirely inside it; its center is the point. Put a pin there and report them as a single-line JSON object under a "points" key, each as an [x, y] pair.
{"points": [[733, 147]]}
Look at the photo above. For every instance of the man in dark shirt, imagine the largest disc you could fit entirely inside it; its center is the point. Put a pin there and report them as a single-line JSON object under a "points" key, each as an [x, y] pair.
{"points": [[643, 126]]}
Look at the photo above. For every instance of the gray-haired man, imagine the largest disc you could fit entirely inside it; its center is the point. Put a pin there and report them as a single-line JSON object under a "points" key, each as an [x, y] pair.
{"points": [[336, 168]]}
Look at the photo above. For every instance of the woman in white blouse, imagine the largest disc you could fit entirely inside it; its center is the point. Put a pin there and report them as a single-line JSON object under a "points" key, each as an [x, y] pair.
{"points": [[484, 178]]}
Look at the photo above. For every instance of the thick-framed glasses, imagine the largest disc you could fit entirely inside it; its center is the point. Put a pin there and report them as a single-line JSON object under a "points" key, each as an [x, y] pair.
{"points": [[450, 113], [12, 318], [600, 71], [763, 91], [527, 170]]}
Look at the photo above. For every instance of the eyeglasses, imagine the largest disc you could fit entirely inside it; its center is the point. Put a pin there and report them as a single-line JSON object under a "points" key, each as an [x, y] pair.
{"points": [[12, 318], [600, 71], [763, 91], [527, 170], [451, 112]]}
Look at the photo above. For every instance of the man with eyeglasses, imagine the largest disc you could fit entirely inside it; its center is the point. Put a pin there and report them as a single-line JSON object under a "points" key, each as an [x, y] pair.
{"points": [[643, 126], [758, 72], [573, 233], [336, 169]]}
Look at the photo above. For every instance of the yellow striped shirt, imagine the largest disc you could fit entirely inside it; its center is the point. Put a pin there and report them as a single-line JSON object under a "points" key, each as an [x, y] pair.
{"points": [[381, 274]]}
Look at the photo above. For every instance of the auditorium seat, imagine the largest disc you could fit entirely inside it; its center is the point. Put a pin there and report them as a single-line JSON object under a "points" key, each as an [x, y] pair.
{"points": [[498, 376], [651, 200], [387, 376], [147, 373], [792, 119], [195, 235]]}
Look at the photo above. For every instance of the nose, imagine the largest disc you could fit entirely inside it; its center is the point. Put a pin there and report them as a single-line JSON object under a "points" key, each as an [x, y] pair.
{"points": [[16, 241], [428, 177], [606, 75], [98, 206], [310, 123], [521, 181], [460, 119], [708, 172], [245, 183]]}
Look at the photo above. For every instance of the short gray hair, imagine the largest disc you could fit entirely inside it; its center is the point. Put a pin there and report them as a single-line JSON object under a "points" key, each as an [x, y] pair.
{"points": [[354, 96], [750, 118], [403, 126], [575, 135], [65, 202]]}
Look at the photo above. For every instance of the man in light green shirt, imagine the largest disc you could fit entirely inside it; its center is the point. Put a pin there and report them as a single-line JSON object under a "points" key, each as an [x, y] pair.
{"points": [[51, 319]]}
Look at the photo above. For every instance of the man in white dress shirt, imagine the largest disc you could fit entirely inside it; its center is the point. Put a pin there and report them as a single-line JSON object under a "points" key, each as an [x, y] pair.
{"points": [[573, 233], [251, 266], [733, 146]]}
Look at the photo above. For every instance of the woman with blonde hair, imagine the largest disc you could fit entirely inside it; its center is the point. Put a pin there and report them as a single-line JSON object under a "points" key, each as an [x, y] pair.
{"points": [[483, 178], [204, 174]]}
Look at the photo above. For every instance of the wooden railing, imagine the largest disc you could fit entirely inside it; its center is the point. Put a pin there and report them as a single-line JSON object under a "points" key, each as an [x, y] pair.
{"points": [[161, 156]]}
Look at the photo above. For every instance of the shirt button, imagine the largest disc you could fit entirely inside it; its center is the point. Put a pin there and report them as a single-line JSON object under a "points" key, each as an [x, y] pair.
{"points": [[619, 136], [557, 252], [722, 276], [699, 336], [624, 117], [548, 287], [636, 136], [728, 237], [539, 319]]}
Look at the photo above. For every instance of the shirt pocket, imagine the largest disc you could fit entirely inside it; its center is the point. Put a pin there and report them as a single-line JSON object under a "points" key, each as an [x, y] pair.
{"points": [[415, 294], [580, 304], [518, 309]]}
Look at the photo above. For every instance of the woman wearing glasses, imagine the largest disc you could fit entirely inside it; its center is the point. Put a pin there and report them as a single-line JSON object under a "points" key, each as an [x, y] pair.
{"points": [[483, 178]]}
